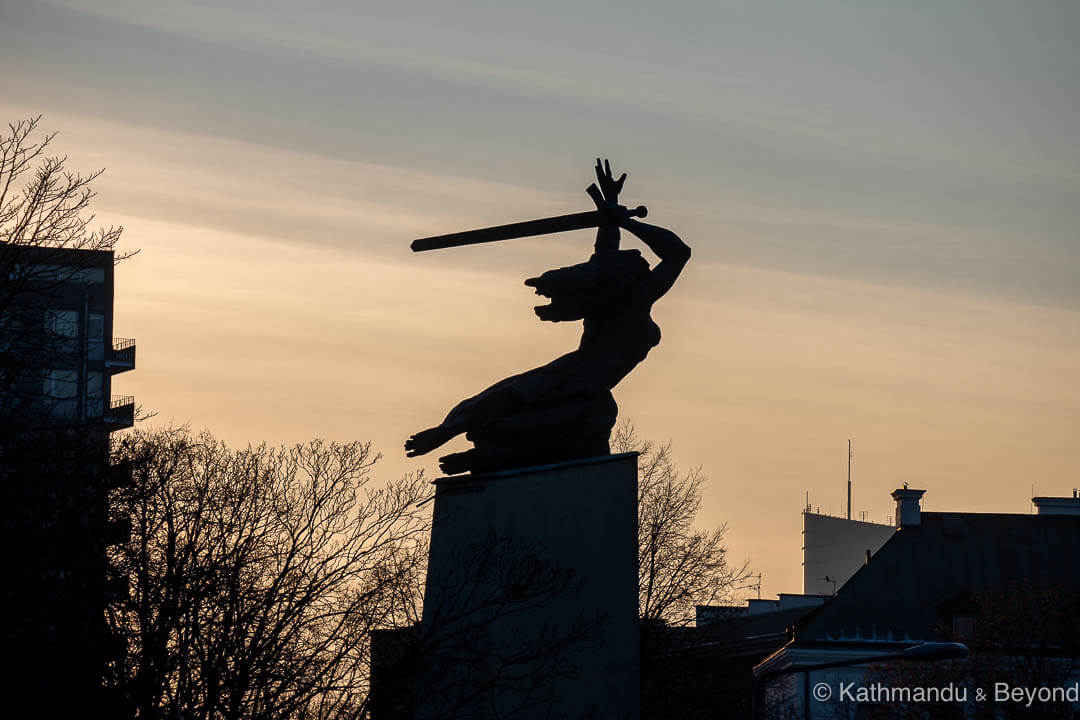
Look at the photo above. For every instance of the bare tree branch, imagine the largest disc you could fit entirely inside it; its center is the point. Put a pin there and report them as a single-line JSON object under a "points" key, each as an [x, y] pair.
{"points": [[679, 566], [258, 575]]}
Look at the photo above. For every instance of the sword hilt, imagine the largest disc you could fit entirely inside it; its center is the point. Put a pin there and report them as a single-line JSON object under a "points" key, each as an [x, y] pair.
{"points": [[598, 198]]}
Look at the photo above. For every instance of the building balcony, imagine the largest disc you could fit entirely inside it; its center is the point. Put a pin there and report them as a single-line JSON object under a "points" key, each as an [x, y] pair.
{"points": [[121, 412], [121, 356]]}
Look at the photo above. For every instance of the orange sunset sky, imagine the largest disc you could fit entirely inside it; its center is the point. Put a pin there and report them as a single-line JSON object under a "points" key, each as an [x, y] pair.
{"points": [[883, 203]]}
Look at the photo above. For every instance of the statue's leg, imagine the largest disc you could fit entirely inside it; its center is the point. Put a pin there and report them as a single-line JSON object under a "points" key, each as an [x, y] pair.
{"points": [[501, 400], [458, 463], [494, 402], [560, 429]]}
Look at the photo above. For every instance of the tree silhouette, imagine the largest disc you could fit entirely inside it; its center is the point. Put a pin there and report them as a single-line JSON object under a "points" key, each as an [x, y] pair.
{"points": [[679, 566], [257, 576]]}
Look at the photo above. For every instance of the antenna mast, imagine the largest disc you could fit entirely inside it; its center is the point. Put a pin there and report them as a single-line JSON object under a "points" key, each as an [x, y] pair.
{"points": [[849, 479]]}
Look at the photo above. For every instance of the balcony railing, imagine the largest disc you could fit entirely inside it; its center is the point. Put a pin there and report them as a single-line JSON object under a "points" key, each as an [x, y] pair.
{"points": [[121, 410], [122, 355]]}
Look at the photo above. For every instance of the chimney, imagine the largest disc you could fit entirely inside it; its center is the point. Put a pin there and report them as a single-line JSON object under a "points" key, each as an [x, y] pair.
{"points": [[908, 511]]}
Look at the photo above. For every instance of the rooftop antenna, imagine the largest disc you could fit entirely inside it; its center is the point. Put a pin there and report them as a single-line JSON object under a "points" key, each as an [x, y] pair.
{"points": [[849, 479], [753, 585]]}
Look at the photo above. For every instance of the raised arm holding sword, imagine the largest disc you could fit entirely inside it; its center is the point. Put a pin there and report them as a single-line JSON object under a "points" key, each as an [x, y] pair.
{"points": [[565, 410]]}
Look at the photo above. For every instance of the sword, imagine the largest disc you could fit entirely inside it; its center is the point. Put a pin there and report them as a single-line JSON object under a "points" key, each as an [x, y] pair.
{"points": [[529, 228]]}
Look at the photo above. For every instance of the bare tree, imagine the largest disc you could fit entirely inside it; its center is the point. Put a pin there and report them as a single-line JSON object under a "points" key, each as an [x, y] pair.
{"points": [[257, 575], [42, 203], [679, 566], [258, 581]]}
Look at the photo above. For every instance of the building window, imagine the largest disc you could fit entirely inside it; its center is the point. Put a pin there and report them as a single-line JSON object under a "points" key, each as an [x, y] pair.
{"points": [[89, 276], [62, 323], [95, 337], [8, 328], [94, 396], [95, 326], [62, 384], [61, 392], [59, 273]]}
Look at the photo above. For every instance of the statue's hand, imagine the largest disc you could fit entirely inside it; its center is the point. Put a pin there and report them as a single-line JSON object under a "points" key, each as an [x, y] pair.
{"points": [[614, 214], [608, 184]]}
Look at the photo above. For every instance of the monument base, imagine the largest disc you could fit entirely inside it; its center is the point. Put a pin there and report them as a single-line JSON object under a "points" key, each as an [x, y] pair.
{"points": [[530, 607]]}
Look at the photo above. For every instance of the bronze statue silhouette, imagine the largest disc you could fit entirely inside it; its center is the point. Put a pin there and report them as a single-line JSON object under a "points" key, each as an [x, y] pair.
{"points": [[565, 410]]}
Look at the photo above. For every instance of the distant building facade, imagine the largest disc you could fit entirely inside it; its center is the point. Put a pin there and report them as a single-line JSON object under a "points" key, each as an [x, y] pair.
{"points": [[1007, 584], [784, 602], [1058, 505], [834, 548], [706, 671], [979, 579]]}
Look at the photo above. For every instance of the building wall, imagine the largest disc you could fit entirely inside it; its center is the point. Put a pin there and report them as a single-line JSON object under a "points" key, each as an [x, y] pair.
{"points": [[58, 337], [57, 358], [835, 548]]}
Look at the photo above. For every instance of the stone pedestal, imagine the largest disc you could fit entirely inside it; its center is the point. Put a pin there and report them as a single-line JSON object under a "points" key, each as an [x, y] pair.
{"points": [[530, 607]]}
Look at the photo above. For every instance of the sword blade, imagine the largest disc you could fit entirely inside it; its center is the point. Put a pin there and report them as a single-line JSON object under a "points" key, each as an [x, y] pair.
{"points": [[544, 226]]}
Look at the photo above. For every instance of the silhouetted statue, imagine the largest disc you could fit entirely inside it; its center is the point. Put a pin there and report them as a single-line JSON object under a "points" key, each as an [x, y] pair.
{"points": [[565, 410]]}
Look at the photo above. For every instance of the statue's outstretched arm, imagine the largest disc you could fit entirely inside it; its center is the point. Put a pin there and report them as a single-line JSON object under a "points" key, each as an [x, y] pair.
{"points": [[672, 251], [607, 235]]}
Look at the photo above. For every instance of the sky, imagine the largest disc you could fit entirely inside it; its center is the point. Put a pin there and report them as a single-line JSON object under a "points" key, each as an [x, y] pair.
{"points": [[883, 201]]}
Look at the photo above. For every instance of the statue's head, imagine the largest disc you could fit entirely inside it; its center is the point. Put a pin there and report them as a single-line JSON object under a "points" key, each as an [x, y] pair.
{"points": [[589, 288]]}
